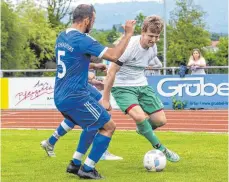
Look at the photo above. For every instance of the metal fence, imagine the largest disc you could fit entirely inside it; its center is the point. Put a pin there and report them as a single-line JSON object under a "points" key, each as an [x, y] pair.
{"points": [[51, 72], [208, 69]]}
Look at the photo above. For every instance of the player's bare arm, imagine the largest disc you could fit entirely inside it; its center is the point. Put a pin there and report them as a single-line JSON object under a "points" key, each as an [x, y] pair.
{"points": [[112, 54], [109, 81], [98, 66], [92, 79]]}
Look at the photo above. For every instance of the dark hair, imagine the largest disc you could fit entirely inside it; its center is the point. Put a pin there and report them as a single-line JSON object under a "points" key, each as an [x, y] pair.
{"points": [[83, 11]]}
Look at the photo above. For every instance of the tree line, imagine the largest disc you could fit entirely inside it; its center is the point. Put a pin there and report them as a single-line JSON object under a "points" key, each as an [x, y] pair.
{"points": [[29, 31]]}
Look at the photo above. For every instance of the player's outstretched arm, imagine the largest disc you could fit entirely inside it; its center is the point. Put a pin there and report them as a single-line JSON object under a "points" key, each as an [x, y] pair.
{"points": [[112, 54], [109, 81], [98, 66]]}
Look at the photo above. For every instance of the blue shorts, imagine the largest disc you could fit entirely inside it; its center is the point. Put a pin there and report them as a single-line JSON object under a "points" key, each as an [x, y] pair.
{"points": [[94, 92], [89, 115]]}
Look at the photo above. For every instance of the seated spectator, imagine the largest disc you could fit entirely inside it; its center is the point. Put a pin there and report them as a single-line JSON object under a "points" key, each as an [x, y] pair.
{"points": [[196, 61], [154, 63]]}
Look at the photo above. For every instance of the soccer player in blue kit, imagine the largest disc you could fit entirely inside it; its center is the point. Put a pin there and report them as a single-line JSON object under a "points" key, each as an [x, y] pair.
{"points": [[67, 125], [71, 95]]}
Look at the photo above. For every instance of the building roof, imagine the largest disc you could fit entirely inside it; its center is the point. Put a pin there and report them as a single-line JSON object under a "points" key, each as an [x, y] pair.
{"points": [[214, 43]]}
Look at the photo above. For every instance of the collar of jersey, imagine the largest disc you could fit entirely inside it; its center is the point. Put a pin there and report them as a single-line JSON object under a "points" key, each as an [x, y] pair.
{"points": [[72, 29]]}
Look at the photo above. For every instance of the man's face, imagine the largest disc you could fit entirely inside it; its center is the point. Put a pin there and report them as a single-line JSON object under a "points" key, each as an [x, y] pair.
{"points": [[148, 39], [90, 24]]}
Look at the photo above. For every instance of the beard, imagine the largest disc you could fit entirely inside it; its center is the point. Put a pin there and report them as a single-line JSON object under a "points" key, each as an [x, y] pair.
{"points": [[88, 28]]}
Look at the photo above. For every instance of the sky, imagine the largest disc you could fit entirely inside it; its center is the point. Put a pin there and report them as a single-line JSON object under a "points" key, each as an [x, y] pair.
{"points": [[216, 12], [111, 1]]}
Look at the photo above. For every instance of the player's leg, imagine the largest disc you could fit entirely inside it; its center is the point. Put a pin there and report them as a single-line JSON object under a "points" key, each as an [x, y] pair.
{"points": [[66, 126], [91, 116], [62, 129], [86, 135], [144, 127], [107, 155], [152, 105], [129, 100], [159, 117], [100, 145], [86, 139]]}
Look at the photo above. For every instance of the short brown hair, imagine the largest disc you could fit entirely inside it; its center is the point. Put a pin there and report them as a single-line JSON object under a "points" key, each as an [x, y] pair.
{"points": [[153, 23]]}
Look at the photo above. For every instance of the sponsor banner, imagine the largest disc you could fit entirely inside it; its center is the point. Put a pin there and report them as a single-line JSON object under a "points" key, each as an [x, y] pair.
{"points": [[31, 93], [198, 91], [35, 93]]}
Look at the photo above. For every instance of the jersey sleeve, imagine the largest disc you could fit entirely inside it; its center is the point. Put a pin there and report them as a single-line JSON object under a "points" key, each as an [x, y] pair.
{"points": [[88, 45]]}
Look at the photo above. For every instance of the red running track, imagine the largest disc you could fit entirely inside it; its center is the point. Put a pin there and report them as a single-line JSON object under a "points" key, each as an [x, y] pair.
{"points": [[186, 120]]}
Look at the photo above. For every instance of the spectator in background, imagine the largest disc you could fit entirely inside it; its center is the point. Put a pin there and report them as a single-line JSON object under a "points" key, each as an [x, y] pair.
{"points": [[196, 61], [154, 63]]}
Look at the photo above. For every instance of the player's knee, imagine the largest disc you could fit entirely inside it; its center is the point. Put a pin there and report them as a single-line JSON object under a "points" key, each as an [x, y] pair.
{"points": [[160, 122], [159, 119], [163, 121], [139, 118], [110, 127], [113, 127]]}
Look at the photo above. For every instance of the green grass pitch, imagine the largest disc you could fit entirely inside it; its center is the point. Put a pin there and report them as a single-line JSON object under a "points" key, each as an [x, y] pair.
{"points": [[204, 157]]}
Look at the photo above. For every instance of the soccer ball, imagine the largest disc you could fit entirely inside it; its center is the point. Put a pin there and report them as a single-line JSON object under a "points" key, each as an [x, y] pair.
{"points": [[154, 160]]}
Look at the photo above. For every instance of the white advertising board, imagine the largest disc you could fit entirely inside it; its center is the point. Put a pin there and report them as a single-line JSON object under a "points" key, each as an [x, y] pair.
{"points": [[35, 93], [31, 93]]}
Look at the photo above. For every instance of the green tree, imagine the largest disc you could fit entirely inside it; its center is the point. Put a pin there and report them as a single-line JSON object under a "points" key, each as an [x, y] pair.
{"points": [[57, 11], [222, 53], [139, 21], [215, 36], [113, 35], [40, 36], [185, 32], [219, 57], [13, 39], [100, 36]]}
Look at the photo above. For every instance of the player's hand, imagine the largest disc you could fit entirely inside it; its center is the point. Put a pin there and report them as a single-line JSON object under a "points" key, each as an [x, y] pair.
{"points": [[106, 104], [91, 76], [98, 84], [100, 66], [129, 27]]}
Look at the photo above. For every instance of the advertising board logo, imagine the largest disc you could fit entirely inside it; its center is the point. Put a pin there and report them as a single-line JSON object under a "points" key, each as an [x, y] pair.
{"points": [[194, 86], [39, 88]]}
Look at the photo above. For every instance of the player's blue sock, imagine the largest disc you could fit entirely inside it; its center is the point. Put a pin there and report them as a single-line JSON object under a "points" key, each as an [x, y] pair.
{"points": [[100, 145], [85, 141], [62, 129]]}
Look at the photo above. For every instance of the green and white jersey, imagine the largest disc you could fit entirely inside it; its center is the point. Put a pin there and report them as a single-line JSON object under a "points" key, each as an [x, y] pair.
{"points": [[134, 60]]}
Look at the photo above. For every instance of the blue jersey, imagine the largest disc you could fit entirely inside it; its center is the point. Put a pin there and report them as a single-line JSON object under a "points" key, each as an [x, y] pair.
{"points": [[73, 50]]}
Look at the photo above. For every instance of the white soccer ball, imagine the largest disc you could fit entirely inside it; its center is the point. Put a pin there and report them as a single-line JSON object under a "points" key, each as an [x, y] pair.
{"points": [[154, 160]]}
